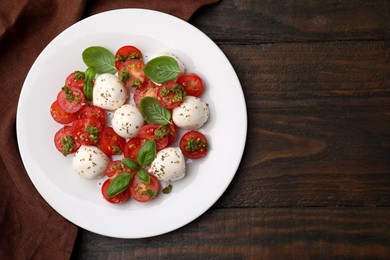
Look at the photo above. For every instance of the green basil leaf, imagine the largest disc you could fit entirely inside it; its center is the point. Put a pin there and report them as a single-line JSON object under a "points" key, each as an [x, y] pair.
{"points": [[130, 163], [100, 59], [119, 184], [153, 112], [147, 153], [143, 176], [90, 74], [162, 69]]}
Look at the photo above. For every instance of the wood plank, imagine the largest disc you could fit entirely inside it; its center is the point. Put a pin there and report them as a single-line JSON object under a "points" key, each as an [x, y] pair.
{"points": [[313, 157], [257, 233], [319, 125], [313, 74], [294, 21]]}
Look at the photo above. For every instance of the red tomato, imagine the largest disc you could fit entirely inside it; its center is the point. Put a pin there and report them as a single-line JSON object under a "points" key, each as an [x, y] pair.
{"points": [[71, 99], [143, 192], [120, 198], [87, 130], [194, 145], [172, 134], [192, 84], [132, 147], [162, 135], [60, 115], [65, 142], [117, 167], [110, 142], [93, 111], [125, 53], [171, 94], [75, 79], [148, 89], [131, 73]]}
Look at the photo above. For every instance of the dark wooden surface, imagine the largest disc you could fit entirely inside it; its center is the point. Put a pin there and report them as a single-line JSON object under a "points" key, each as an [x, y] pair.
{"points": [[314, 181]]}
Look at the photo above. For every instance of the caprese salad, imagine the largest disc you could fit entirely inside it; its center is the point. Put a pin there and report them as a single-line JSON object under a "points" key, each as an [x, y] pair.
{"points": [[121, 117]]}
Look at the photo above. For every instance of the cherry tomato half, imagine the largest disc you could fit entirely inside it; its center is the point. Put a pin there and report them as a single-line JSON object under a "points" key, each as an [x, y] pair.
{"points": [[143, 192], [131, 73], [132, 147], [75, 79], [194, 145], [148, 89], [163, 135], [110, 142], [117, 167], [70, 99], [171, 94], [60, 115], [65, 142], [87, 130], [92, 111], [192, 84], [125, 53]]}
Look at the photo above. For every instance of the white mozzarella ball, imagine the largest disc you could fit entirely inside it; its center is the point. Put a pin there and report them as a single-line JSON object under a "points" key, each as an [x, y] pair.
{"points": [[90, 162], [127, 120], [109, 92], [169, 165], [192, 114]]}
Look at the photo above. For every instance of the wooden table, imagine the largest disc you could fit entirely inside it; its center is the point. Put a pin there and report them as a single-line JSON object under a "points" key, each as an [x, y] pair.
{"points": [[314, 181]]}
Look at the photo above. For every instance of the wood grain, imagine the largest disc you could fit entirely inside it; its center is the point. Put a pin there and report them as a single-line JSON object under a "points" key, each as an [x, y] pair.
{"points": [[336, 74], [318, 125], [258, 233], [313, 157], [245, 21]]}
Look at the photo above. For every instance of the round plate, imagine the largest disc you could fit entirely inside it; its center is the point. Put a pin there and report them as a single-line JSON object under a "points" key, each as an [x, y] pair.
{"points": [[80, 201]]}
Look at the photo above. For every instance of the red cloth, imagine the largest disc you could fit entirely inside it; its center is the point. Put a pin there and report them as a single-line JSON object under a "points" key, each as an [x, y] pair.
{"points": [[30, 228]]}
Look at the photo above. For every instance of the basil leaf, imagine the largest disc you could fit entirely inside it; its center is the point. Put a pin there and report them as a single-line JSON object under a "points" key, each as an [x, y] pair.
{"points": [[119, 184], [162, 69], [147, 153], [90, 74], [130, 163], [153, 112], [100, 59], [143, 176]]}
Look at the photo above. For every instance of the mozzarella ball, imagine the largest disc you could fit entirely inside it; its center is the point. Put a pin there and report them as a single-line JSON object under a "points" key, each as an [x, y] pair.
{"points": [[109, 92], [192, 114], [90, 162], [127, 120], [169, 165]]}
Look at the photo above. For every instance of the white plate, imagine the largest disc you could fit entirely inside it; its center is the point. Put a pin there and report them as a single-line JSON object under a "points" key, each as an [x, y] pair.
{"points": [[80, 201]]}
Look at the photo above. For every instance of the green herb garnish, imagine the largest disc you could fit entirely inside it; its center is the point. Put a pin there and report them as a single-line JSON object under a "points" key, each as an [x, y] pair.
{"points": [[93, 133], [119, 184], [150, 193], [100, 59], [143, 176], [153, 112], [167, 189], [147, 153], [162, 69], [145, 156], [68, 144], [195, 144], [90, 74]]}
